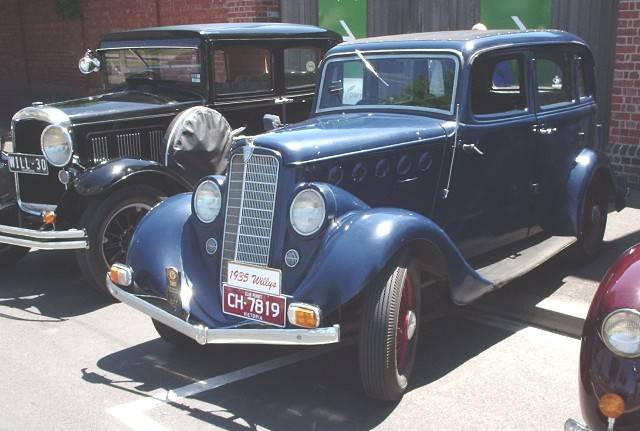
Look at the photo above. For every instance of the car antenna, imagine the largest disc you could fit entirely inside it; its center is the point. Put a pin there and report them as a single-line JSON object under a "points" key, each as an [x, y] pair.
{"points": [[350, 36], [445, 192], [519, 22]]}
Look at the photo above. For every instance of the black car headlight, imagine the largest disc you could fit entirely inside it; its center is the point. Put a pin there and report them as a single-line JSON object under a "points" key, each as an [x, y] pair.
{"points": [[207, 201], [621, 332], [57, 145], [308, 212]]}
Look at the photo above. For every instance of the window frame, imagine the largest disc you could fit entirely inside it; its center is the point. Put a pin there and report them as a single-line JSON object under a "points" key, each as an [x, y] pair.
{"points": [[524, 58], [221, 45], [570, 53], [349, 56]]}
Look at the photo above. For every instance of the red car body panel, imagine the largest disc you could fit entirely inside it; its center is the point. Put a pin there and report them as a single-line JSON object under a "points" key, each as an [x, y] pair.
{"points": [[602, 371]]}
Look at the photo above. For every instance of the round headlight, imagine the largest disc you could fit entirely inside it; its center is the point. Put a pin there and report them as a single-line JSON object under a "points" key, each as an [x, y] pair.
{"points": [[621, 332], [56, 145], [207, 201], [307, 212]]}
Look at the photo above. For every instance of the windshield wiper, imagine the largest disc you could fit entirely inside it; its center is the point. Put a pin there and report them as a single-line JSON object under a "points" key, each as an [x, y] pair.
{"points": [[370, 67], [134, 52]]}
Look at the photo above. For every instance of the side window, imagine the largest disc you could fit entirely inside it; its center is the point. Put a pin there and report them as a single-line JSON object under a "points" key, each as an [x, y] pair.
{"points": [[497, 86], [242, 69], [300, 65], [583, 81], [554, 79]]}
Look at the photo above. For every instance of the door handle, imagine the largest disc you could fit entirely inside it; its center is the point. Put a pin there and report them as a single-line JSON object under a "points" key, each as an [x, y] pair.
{"points": [[282, 100], [472, 148], [545, 131]]}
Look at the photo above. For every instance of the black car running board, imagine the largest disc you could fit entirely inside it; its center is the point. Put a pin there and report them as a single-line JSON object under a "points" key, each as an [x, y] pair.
{"points": [[519, 263]]}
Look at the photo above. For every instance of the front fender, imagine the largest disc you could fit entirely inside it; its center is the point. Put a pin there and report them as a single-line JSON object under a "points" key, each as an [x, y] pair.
{"points": [[361, 244], [106, 176], [583, 169]]}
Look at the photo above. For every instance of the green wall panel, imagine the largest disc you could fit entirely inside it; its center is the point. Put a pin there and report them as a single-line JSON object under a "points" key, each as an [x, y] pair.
{"points": [[497, 14], [354, 12]]}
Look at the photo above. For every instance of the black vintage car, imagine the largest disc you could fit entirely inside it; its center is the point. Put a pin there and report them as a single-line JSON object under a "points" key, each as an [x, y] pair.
{"points": [[87, 170]]}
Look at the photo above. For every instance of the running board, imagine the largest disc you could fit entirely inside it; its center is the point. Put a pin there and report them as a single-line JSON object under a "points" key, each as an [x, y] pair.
{"points": [[517, 264]]}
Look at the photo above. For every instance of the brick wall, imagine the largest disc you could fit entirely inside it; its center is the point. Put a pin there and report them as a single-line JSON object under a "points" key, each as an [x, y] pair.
{"points": [[624, 132], [39, 52]]}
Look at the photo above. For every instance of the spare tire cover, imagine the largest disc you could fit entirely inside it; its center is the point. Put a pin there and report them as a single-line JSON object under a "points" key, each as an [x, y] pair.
{"points": [[198, 141]]}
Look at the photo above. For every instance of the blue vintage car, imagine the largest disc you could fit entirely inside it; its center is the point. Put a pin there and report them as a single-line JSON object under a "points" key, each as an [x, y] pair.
{"points": [[456, 160]]}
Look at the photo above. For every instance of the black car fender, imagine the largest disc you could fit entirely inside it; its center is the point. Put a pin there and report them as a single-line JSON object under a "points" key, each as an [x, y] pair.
{"points": [[115, 173]]}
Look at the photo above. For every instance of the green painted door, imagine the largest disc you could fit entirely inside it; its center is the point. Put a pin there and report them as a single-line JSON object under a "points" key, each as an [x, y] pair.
{"points": [[353, 12], [496, 14]]}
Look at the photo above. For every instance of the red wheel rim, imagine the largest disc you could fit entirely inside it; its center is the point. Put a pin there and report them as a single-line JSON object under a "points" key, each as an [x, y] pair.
{"points": [[403, 340]]}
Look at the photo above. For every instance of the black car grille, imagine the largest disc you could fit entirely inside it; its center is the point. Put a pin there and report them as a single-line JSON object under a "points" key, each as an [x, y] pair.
{"points": [[144, 144], [251, 202], [38, 189]]}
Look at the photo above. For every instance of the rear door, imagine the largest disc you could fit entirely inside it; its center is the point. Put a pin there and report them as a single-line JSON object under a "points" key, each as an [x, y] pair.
{"points": [[564, 125]]}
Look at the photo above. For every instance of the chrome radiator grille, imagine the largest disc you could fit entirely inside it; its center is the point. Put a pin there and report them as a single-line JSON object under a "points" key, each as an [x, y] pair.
{"points": [[147, 144], [100, 146], [129, 145], [251, 202]]}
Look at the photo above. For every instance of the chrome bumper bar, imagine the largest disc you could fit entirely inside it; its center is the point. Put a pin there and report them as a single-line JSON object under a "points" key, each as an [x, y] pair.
{"points": [[44, 240], [204, 335]]}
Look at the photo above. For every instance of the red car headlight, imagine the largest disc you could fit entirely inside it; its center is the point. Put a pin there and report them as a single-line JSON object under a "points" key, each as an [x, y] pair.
{"points": [[621, 332]]}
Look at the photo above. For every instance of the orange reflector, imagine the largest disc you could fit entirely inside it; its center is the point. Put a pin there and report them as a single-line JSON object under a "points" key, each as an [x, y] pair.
{"points": [[121, 275], [611, 405], [49, 217], [304, 315]]}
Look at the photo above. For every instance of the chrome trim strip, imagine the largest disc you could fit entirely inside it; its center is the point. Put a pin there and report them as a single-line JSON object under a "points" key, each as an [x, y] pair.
{"points": [[204, 335], [45, 113], [72, 239], [120, 48]]}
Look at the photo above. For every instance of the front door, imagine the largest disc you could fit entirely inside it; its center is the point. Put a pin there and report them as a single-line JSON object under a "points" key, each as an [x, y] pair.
{"points": [[489, 200]]}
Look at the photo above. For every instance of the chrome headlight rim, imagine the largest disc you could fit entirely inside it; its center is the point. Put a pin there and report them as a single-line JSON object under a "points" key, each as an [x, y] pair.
{"points": [[605, 338], [323, 219], [216, 186], [69, 139]]}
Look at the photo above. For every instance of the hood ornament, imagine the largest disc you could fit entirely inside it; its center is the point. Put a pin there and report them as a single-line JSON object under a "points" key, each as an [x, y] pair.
{"points": [[247, 150]]}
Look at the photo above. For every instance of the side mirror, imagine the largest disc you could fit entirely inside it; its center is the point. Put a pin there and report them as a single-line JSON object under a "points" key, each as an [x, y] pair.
{"points": [[89, 63], [271, 122]]}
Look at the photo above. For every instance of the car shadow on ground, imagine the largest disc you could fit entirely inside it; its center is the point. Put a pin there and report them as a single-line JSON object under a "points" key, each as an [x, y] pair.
{"points": [[320, 393], [46, 287]]}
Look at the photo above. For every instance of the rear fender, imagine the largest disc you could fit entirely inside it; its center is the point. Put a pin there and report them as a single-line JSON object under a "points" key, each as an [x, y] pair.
{"points": [[361, 244], [587, 166]]}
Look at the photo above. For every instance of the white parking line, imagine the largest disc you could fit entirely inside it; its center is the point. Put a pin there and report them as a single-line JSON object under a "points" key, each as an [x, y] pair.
{"points": [[133, 414]]}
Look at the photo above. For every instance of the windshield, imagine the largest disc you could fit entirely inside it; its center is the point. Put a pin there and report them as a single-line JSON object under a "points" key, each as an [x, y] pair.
{"points": [[411, 81], [172, 65]]}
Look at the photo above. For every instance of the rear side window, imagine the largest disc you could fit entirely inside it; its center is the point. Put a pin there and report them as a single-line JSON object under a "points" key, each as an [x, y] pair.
{"points": [[498, 85], [300, 65], [584, 84], [555, 87], [242, 69]]}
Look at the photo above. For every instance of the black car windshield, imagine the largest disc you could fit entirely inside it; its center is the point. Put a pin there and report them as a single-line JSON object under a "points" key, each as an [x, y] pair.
{"points": [[408, 81], [172, 65]]}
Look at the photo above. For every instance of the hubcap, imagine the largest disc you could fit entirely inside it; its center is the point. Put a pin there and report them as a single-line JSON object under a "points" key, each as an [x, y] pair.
{"points": [[407, 324]]}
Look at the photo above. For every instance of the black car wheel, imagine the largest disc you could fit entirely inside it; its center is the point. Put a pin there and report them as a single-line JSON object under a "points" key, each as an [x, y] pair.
{"points": [[173, 337], [110, 224], [593, 223], [389, 331]]}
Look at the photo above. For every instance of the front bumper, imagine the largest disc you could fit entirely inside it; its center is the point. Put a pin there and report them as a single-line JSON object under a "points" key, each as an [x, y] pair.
{"points": [[44, 240], [204, 335]]}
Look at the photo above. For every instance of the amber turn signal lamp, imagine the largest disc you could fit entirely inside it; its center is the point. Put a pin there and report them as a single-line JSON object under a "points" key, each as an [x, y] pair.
{"points": [[611, 405], [120, 274], [49, 217], [304, 315]]}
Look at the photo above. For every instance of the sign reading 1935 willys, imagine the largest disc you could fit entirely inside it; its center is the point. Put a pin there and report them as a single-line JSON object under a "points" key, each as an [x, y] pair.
{"points": [[435, 167], [87, 170]]}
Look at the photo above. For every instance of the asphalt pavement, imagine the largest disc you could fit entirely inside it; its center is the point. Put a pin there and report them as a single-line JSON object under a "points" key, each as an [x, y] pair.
{"points": [[71, 361]]}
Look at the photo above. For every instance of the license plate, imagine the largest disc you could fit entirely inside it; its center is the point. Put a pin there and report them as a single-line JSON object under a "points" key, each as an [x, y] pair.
{"points": [[256, 278], [28, 164], [261, 307]]}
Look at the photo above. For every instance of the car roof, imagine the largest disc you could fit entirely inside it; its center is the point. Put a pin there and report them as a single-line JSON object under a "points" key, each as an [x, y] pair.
{"points": [[247, 30], [464, 41]]}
